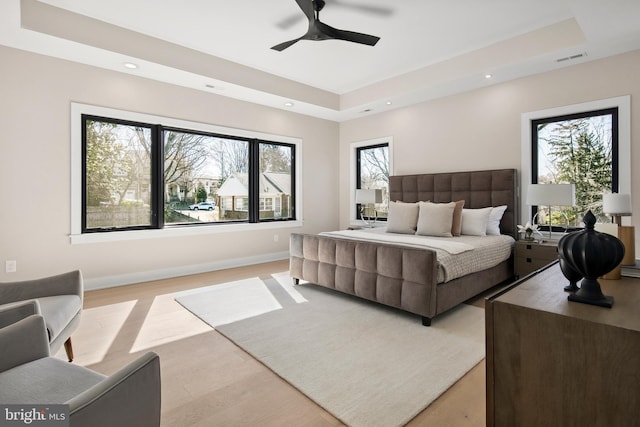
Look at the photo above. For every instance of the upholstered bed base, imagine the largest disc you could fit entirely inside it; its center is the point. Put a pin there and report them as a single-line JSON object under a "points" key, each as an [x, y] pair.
{"points": [[393, 275], [403, 277]]}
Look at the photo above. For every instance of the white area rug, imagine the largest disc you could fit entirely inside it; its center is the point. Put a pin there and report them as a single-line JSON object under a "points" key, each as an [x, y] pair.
{"points": [[367, 364]]}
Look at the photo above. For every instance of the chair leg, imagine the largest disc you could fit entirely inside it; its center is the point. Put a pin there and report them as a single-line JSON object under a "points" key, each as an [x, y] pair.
{"points": [[68, 349]]}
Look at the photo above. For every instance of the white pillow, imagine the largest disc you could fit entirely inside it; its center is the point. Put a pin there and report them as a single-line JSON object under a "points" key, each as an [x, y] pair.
{"points": [[493, 225], [402, 218], [474, 221], [435, 219]]}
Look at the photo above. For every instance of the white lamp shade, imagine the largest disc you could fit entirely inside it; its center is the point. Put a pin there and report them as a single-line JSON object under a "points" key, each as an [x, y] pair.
{"points": [[616, 204], [551, 195], [367, 196]]}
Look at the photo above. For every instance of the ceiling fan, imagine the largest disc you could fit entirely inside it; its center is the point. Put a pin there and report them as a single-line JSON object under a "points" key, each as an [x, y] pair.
{"points": [[370, 9], [320, 31]]}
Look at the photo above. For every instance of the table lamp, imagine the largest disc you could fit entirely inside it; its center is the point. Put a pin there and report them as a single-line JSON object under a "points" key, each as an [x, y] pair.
{"points": [[366, 197], [551, 195]]}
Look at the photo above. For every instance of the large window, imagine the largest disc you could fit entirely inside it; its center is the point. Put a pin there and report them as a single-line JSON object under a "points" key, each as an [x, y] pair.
{"points": [[275, 182], [372, 162], [117, 175], [579, 149], [587, 145], [139, 175]]}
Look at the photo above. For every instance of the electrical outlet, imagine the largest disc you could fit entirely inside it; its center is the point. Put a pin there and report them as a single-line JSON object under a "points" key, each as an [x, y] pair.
{"points": [[276, 238], [10, 266]]}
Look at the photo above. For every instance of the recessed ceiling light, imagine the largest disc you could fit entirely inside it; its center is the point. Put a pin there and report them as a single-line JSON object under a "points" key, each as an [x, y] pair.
{"points": [[130, 65], [288, 104], [389, 102], [488, 76]]}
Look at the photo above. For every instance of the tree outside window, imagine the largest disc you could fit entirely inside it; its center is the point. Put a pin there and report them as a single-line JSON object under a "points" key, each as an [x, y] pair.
{"points": [[118, 175], [373, 173], [578, 149]]}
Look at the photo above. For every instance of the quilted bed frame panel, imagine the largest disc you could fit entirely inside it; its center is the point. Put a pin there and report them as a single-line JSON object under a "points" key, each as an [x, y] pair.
{"points": [[392, 275]]}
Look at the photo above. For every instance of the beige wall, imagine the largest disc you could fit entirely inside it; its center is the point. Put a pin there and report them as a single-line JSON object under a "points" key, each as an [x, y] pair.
{"points": [[481, 129], [475, 130], [35, 101]]}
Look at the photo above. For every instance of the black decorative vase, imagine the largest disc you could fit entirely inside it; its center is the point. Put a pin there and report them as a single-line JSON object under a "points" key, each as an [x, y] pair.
{"points": [[592, 254]]}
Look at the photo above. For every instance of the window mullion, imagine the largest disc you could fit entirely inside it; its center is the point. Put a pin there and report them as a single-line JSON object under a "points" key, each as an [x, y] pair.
{"points": [[254, 180], [157, 176]]}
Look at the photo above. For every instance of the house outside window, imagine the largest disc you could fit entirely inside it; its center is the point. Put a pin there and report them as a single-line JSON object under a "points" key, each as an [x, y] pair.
{"points": [[275, 183], [144, 175]]}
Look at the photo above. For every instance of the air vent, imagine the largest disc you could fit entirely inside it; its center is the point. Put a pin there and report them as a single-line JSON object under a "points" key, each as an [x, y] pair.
{"points": [[572, 57]]}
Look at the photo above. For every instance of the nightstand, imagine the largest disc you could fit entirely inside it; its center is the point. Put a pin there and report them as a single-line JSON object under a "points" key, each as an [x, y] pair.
{"points": [[533, 255]]}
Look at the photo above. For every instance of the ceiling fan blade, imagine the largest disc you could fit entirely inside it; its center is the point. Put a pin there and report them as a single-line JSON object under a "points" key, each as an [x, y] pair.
{"points": [[282, 46], [350, 36], [361, 38], [307, 8]]}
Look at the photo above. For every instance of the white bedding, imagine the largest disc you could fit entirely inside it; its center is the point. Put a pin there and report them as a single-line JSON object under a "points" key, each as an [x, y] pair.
{"points": [[377, 234], [457, 256]]}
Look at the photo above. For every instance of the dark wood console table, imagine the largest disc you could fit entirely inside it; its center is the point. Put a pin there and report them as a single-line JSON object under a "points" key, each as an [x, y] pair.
{"points": [[552, 362]]}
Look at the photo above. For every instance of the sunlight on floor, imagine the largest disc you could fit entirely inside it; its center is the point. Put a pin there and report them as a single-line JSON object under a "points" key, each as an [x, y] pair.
{"points": [[99, 328], [230, 302], [162, 320], [166, 321], [284, 280]]}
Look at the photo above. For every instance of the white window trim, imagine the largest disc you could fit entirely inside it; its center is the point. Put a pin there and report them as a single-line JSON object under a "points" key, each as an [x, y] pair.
{"points": [[353, 155], [623, 103], [76, 236]]}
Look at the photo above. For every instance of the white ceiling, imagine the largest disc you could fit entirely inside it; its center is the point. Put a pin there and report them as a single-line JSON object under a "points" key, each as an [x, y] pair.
{"points": [[428, 48]]}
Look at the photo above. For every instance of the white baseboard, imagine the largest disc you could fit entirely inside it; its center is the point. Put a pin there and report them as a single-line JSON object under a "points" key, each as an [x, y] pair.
{"points": [[167, 273]]}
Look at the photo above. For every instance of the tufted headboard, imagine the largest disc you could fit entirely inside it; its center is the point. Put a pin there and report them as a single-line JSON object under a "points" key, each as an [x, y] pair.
{"points": [[478, 189]]}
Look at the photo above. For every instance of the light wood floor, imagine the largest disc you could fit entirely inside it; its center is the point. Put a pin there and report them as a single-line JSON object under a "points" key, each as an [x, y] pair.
{"points": [[209, 381]]}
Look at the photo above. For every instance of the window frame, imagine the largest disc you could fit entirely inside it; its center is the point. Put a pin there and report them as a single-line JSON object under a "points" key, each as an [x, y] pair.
{"points": [[156, 163], [256, 170], [613, 112], [356, 147], [78, 226], [623, 160]]}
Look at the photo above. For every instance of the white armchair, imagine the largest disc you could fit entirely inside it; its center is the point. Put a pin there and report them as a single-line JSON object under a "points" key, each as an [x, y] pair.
{"points": [[28, 375], [57, 298]]}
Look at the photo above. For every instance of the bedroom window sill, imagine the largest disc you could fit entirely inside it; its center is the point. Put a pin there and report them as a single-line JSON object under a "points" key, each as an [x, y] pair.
{"points": [[117, 236]]}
